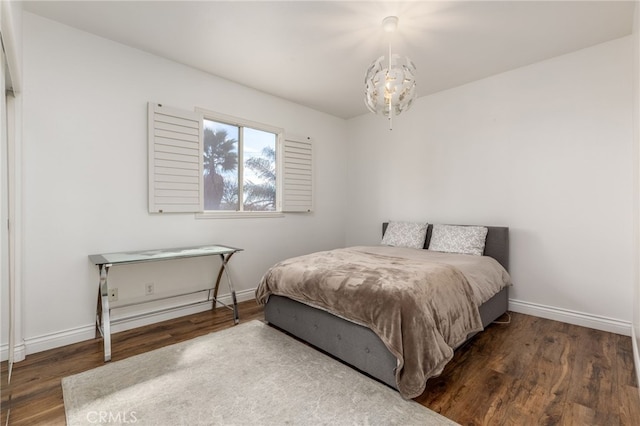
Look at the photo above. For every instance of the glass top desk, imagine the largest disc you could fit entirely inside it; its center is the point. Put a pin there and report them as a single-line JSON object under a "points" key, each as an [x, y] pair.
{"points": [[106, 260]]}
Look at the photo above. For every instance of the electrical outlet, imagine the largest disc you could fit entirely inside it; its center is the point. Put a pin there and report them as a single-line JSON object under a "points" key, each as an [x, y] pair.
{"points": [[113, 295], [148, 289]]}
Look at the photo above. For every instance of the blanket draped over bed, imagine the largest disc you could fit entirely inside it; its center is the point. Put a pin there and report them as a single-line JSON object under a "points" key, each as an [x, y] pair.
{"points": [[420, 309]]}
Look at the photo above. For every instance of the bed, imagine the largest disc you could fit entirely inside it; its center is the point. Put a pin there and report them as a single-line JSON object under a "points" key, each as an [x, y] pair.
{"points": [[367, 345]]}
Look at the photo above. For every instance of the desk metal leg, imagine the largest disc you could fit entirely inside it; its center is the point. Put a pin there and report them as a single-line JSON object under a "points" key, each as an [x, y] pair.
{"points": [[236, 316], [223, 269], [103, 320]]}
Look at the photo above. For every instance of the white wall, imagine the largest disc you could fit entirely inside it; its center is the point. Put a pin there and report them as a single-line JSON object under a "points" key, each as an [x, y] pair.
{"points": [[546, 150], [85, 177]]}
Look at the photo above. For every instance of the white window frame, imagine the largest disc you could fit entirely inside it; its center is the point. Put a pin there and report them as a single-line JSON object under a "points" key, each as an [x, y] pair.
{"points": [[240, 122], [174, 150]]}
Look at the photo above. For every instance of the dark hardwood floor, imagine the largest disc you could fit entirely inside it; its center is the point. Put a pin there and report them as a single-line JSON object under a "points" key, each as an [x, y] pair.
{"points": [[535, 371], [532, 371]]}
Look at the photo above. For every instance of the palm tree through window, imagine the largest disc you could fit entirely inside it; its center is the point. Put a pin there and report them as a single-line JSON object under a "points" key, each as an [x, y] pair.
{"points": [[234, 154]]}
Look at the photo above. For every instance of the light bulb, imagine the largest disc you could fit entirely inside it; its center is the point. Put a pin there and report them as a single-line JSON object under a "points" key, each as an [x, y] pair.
{"points": [[390, 24]]}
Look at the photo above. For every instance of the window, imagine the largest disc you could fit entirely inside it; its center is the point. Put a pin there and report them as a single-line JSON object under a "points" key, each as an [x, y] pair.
{"points": [[239, 167], [220, 166]]}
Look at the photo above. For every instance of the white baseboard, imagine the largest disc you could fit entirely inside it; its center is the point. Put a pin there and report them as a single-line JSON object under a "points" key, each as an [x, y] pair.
{"points": [[571, 317], [58, 339], [19, 352], [87, 332]]}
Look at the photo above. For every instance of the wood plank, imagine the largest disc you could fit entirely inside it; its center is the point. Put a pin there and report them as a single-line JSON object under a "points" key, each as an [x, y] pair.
{"points": [[531, 371], [537, 371]]}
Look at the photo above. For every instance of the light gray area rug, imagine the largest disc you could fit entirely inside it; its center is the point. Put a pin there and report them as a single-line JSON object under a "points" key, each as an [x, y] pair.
{"points": [[250, 374]]}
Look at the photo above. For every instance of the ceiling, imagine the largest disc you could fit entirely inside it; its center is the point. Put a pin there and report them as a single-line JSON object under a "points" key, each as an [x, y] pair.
{"points": [[315, 53]]}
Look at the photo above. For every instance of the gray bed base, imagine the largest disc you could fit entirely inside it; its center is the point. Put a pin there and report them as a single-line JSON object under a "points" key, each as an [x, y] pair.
{"points": [[358, 345]]}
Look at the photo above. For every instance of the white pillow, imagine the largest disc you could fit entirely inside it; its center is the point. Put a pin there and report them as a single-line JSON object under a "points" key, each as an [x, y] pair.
{"points": [[458, 239], [405, 234]]}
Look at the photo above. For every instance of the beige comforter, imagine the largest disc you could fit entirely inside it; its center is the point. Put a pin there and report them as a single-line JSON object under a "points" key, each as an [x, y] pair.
{"points": [[419, 305]]}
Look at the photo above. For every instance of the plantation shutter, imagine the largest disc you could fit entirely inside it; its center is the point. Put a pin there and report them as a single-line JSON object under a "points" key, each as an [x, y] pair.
{"points": [[297, 163], [175, 160]]}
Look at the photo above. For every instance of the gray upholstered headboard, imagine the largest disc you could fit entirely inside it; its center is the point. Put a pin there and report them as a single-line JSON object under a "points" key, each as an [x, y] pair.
{"points": [[496, 245]]}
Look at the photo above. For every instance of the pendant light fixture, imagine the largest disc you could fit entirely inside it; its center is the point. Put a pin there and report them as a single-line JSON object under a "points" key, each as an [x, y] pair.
{"points": [[390, 84]]}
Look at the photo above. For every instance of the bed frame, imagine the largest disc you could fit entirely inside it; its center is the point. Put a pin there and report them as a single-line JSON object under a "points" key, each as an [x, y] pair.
{"points": [[357, 345]]}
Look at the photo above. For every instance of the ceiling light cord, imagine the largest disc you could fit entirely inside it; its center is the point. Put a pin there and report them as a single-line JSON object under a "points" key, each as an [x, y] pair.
{"points": [[390, 94]]}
